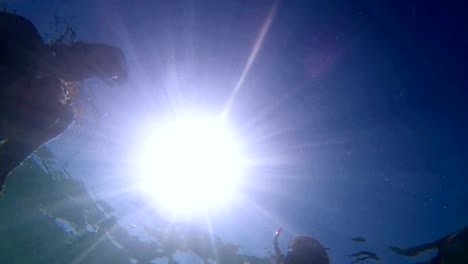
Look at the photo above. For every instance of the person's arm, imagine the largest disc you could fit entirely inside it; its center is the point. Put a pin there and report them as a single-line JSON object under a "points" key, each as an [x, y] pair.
{"points": [[19, 145], [279, 255]]}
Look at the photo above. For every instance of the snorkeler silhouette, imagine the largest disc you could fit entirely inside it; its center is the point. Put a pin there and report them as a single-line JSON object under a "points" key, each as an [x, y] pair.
{"points": [[38, 83], [362, 256], [452, 249], [302, 250]]}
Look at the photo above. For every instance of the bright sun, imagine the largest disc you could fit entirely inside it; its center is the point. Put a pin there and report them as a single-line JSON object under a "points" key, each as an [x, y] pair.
{"points": [[191, 164]]}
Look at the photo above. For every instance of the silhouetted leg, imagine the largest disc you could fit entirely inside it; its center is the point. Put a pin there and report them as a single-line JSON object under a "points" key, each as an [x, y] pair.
{"points": [[12, 153], [413, 251]]}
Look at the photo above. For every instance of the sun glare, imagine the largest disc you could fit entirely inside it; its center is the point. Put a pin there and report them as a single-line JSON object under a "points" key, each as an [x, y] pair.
{"points": [[191, 164]]}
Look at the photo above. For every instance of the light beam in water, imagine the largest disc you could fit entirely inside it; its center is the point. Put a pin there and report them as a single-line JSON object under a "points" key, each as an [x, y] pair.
{"points": [[258, 44]]}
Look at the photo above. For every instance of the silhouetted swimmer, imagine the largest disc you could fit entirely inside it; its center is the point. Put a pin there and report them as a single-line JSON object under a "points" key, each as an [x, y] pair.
{"points": [[359, 239], [364, 256], [452, 249], [38, 83], [302, 250]]}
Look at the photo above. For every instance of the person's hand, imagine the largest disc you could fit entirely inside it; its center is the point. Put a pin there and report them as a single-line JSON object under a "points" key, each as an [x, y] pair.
{"points": [[279, 231]]}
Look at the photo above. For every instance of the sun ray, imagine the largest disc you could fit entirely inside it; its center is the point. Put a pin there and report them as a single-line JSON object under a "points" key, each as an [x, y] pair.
{"points": [[258, 44]]}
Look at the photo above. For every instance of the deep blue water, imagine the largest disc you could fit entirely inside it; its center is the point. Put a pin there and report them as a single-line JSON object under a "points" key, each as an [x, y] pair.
{"points": [[358, 110]]}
